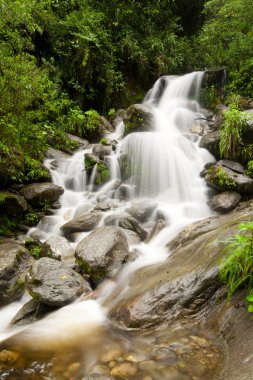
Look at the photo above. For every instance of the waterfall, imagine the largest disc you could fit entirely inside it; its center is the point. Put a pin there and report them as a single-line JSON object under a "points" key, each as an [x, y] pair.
{"points": [[164, 166]]}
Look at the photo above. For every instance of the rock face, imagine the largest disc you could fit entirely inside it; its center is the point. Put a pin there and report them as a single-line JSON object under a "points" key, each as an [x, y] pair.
{"points": [[127, 222], [15, 261], [142, 210], [53, 283], [225, 202], [138, 117], [40, 193], [12, 204], [85, 222], [31, 312], [102, 253], [210, 141], [60, 248], [187, 281], [229, 175], [101, 150]]}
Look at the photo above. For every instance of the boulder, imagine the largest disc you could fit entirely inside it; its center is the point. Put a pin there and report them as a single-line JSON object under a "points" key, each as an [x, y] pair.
{"points": [[53, 283], [127, 222], [102, 171], [12, 205], [228, 175], [31, 311], [187, 281], [137, 118], [102, 253], [142, 210], [225, 202], [83, 223], [210, 141], [60, 249], [101, 150], [15, 261], [42, 194]]}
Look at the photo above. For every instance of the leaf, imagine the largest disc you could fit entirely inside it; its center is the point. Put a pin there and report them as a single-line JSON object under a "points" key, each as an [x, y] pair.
{"points": [[250, 308], [249, 297]]}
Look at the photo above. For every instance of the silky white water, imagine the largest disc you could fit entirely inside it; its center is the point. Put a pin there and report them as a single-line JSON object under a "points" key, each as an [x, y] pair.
{"points": [[164, 167]]}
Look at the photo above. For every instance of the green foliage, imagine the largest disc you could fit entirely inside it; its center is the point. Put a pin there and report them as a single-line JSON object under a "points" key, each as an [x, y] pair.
{"points": [[104, 141], [249, 170], [226, 39], [220, 179], [209, 97], [7, 225], [103, 174], [31, 219], [34, 248], [231, 144], [237, 268]]}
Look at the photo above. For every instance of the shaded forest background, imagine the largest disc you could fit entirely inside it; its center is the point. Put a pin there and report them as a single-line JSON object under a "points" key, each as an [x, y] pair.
{"points": [[64, 62]]}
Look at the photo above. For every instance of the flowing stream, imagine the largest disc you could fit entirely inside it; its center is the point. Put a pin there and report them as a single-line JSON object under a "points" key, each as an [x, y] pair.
{"points": [[164, 166]]}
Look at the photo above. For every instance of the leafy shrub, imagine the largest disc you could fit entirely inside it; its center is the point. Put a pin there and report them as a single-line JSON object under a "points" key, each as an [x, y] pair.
{"points": [[237, 268], [231, 145]]}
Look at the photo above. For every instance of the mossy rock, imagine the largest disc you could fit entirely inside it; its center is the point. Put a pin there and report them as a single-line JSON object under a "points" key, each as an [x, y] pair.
{"points": [[138, 117], [12, 205]]}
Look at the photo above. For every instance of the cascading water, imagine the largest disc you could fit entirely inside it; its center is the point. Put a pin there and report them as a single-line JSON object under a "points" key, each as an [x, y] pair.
{"points": [[164, 165]]}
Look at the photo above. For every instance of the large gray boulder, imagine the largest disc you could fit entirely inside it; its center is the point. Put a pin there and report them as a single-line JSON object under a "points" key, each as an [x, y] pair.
{"points": [[127, 222], [15, 261], [60, 249], [53, 283], [83, 223], [228, 175], [225, 202], [142, 210], [210, 141], [101, 150], [42, 194], [102, 253], [137, 118]]}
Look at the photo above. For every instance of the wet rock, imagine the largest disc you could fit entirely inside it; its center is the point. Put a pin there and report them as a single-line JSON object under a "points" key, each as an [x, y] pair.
{"points": [[53, 283], [101, 151], [42, 194], [56, 154], [228, 175], [210, 141], [158, 227], [85, 222], [189, 278], [118, 117], [225, 202], [15, 261], [12, 205], [31, 311], [127, 222], [61, 249], [138, 117], [102, 171], [142, 210], [103, 206], [102, 253], [8, 357]]}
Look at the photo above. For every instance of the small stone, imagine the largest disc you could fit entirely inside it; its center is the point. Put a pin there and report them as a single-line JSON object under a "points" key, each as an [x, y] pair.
{"points": [[202, 342], [124, 370], [9, 356], [110, 355]]}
